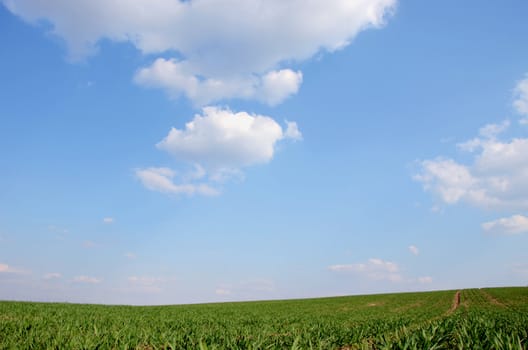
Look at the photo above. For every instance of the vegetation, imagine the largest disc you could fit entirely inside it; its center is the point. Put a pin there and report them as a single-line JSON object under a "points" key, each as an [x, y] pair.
{"points": [[485, 319]]}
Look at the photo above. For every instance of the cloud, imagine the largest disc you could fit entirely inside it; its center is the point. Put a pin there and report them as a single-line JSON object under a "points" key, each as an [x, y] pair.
{"points": [[222, 291], [108, 220], [161, 180], [221, 138], [5, 268], [497, 176], [89, 244], [52, 276], [376, 269], [87, 279], [414, 250], [216, 144], [521, 98], [425, 280], [177, 79], [225, 48], [512, 225], [148, 284]]}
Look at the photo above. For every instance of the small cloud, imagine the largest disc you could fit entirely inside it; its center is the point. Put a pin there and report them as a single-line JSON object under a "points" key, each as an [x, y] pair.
{"points": [[87, 279], [52, 276], [521, 97], [161, 180], [292, 131], [147, 283], [108, 220], [512, 225], [414, 250], [130, 255], [425, 280], [222, 291], [5, 268], [375, 269]]}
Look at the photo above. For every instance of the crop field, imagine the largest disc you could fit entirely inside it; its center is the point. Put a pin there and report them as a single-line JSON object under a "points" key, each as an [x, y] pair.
{"points": [[495, 318]]}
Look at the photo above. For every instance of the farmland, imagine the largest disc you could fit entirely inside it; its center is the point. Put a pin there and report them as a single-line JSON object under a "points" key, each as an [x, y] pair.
{"points": [[495, 318]]}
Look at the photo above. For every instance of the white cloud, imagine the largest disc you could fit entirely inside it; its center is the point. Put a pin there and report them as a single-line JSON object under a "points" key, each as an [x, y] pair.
{"points": [[148, 284], [221, 138], [177, 79], [292, 131], [217, 145], [226, 48], [414, 250], [425, 280], [497, 177], [222, 291], [512, 225], [521, 98], [87, 279], [89, 244], [376, 269], [161, 180], [108, 220], [52, 276], [5, 268]]}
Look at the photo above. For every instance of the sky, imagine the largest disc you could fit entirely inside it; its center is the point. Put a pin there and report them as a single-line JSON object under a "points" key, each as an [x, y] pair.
{"points": [[170, 152]]}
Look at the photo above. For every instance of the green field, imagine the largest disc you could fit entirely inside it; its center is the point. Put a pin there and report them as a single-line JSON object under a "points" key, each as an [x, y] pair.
{"points": [[495, 318]]}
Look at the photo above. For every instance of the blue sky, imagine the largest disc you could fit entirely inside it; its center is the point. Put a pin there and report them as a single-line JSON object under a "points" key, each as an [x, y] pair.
{"points": [[178, 152]]}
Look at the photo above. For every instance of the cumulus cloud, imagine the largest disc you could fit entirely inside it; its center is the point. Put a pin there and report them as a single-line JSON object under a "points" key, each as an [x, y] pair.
{"points": [[414, 250], [512, 225], [521, 98], [376, 269], [217, 144], [177, 79], [86, 279], [497, 176], [225, 48]]}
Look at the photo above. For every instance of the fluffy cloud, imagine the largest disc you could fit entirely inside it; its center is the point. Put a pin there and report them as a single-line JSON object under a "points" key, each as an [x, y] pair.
{"points": [[521, 98], [496, 178], [86, 279], [217, 144], [225, 48], [223, 139], [512, 225], [375, 269], [178, 79], [414, 250]]}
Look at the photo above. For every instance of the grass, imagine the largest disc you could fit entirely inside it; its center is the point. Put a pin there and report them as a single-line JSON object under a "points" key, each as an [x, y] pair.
{"points": [[486, 319]]}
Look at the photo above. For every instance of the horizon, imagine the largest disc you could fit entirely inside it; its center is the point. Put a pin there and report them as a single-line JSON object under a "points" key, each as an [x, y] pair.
{"points": [[197, 151]]}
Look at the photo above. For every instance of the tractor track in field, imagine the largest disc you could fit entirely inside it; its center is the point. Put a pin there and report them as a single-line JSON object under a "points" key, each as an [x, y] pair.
{"points": [[456, 303]]}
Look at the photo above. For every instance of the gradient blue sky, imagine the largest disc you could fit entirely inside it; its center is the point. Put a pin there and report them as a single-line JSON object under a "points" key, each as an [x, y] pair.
{"points": [[161, 152]]}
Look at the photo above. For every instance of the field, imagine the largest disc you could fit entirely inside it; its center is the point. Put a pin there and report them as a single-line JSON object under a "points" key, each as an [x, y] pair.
{"points": [[495, 318]]}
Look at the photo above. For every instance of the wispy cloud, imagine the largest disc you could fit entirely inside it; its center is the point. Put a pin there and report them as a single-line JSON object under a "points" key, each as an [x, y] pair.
{"points": [[52, 276], [376, 269], [5, 268], [86, 279], [512, 225], [414, 250], [108, 220]]}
